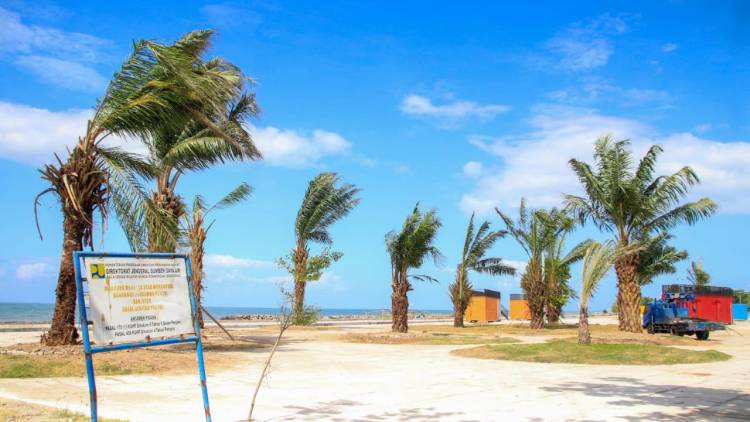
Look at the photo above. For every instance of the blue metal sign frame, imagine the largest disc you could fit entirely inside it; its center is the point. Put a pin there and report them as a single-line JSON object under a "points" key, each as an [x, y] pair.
{"points": [[91, 350]]}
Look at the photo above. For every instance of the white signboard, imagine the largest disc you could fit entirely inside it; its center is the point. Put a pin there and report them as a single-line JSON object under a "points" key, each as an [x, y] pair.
{"points": [[137, 299]]}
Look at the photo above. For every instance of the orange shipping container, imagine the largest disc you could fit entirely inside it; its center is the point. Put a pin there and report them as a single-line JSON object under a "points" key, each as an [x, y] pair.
{"points": [[519, 308], [484, 306]]}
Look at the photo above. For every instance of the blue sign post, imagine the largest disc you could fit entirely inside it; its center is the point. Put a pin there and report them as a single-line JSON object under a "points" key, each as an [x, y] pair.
{"points": [[90, 350]]}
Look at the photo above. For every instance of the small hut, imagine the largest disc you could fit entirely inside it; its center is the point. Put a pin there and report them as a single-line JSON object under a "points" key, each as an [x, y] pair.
{"points": [[519, 308], [484, 306]]}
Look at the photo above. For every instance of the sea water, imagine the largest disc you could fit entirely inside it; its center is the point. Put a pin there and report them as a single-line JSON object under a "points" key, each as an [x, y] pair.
{"points": [[42, 312]]}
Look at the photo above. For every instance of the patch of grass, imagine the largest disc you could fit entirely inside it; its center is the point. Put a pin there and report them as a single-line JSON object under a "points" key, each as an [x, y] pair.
{"points": [[427, 339], [42, 367], [68, 416], [517, 329], [19, 411], [561, 351]]}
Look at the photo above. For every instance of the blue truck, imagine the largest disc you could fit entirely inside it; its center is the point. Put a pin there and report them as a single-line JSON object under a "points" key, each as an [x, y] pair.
{"points": [[665, 316]]}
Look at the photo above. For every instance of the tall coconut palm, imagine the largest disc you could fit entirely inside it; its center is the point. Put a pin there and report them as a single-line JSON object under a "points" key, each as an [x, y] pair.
{"points": [[408, 249], [210, 136], [326, 201], [476, 245], [196, 230], [597, 261], [631, 203], [94, 177], [540, 234]]}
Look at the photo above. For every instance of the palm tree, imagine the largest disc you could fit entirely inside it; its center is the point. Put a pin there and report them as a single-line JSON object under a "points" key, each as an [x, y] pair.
{"points": [[196, 229], [213, 134], [94, 177], [541, 235], [633, 204], [557, 271], [697, 276], [324, 203], [597, 261], [408, 249], [472, 258]]}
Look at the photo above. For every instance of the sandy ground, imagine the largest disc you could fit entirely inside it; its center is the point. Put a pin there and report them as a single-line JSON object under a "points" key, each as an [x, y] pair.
{"points": [[319, 379]]}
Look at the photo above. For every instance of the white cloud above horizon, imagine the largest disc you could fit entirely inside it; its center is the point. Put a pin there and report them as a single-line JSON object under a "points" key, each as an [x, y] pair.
{"points": [[452, 110], [64, 73], [32, 270], [535, 165], [291, 148], [58, 57], [229, 261], [32, 135], [584, 45], [592, 90]]}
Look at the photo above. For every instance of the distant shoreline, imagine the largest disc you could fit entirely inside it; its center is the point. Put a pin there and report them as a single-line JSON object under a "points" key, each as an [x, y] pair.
{"points": [[41, 313]]}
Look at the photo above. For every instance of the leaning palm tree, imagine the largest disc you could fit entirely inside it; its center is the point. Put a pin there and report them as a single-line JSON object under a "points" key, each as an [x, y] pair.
{"points": [[94, 177], [538, 232], [325, 202], [631, 203], [597, 261], [408, 249], [196, 230], [472, 258], [213, 135]]}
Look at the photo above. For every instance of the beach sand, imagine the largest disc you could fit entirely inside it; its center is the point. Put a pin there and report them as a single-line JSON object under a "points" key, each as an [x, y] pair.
{"points": [[315, 376]]}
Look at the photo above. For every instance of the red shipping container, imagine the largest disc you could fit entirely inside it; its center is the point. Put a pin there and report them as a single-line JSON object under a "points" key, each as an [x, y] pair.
{"points": [[710, 303]]}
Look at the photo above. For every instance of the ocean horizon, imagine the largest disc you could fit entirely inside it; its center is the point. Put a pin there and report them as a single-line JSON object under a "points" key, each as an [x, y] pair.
{"points": [[42, 312]]}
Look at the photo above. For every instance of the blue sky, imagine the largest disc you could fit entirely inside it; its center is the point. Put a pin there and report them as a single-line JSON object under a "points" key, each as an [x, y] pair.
{"points": [[460, 107]]}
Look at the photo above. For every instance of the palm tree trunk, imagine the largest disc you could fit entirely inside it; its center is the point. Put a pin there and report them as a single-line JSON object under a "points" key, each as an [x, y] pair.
{"points": [[299, 301], [584, 335], [458, 317], [197, 237], [300, 267], [196, 264], [553, 313], [63, 329], [628, 293], [534, 286], [400, 304]]}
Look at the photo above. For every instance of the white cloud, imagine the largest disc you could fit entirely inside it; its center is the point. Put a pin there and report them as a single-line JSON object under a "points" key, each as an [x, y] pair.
{"points": [[31, 134], [472, 169], [229, 261], [585, 45], [593, 90], [535, 165], [417, 105], [61, 58], [669, 47], [29, 271], [289, 148], [64, 73], [227, 268]]}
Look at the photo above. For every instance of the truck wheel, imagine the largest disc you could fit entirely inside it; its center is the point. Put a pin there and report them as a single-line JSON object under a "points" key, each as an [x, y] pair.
{"points": [[675, 331], [701, 335]]}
